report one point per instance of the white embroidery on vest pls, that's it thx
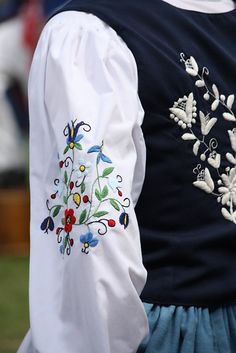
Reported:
(185, 113)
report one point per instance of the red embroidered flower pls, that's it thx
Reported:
(69, 220)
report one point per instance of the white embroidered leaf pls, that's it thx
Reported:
(200, 83)
(225, 179)
(215, 104)
(209, 179)
(229, 117)
(226, 214)
(223, 189)
(196, 147)
(202, 185)
(230, 101)
(179, 113)
(203, 121)
(216, 91)
(230, 158)
(215, 162)
(210, 125)
(188, 137)
(189, 105)
(194, 63)
(232, 137)
(225, 198)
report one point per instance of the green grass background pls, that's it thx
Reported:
(14, 318)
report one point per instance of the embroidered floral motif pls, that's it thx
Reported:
(80, 204)
(185, 113)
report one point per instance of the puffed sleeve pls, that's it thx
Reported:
(87, 162)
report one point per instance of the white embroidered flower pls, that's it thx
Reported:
(228, 191)
(184, 111)
(60, 187)
(214, 159)
(207, 123)
(82, 169)
(232, 136)
(113, 183)
(191, 66)
(205, 181)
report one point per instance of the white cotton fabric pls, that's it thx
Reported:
(205, 6)
(85, 304)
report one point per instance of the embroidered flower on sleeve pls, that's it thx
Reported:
(88, 241)
(47, 224)
(84, 204)
(60, 187)
(72, 135)
(124, 219)
(101, 155)
(82, 168)
(69, 220)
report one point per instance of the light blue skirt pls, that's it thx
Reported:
(178, 329)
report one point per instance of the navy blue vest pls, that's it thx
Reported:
(187, 80)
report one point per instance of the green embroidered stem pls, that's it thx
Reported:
(71, 173)
(212, 94)
(96, 210)
(50, 210)
(98, 177)
(92, 193)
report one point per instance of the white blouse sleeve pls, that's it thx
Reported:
(87, 162)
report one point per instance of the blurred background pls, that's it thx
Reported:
(20, 25)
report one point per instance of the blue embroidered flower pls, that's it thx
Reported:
(88, 241)
(124, 219)
(73, 137)
(101, 155)
(47, 224)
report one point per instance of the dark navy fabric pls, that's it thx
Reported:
(9, 8)
(50, 6)
(189, 248)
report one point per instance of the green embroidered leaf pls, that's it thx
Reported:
(65, 200)
(115, 204)
(98, 195)
(105, 192)
(82, 216)
(63, 221)
(78, 146)
(66, 177)
(82, 187)
(107, 171)
(100, 214)
(56, 211)
(66, 149)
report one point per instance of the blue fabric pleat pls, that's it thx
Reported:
(179, 329)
